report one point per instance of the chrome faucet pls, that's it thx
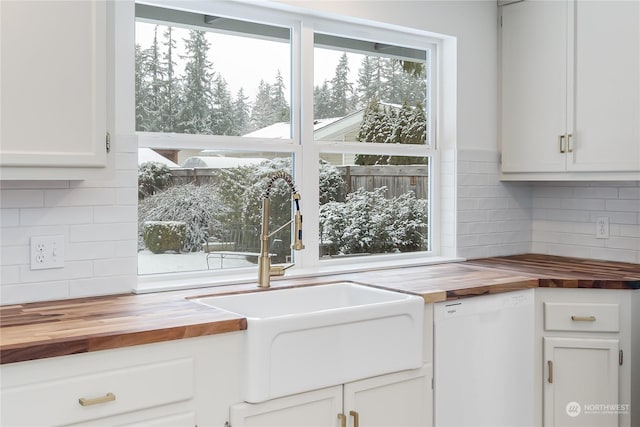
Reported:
(265, 269)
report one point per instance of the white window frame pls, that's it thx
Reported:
(302, 146)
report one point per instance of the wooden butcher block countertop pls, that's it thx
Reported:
(57, 328)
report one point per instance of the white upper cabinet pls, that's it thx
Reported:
(570, 92)
(53, 83)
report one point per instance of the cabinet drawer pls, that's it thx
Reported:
(581, 317)
(104, 394)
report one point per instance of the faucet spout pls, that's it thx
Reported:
(265, 270)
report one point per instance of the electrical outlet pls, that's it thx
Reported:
(602, 227)
(47, 252)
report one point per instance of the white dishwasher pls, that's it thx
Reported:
(484, 361)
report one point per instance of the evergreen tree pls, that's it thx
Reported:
(322, 101)
(261, 114)
(341, 89)
(369, 83)
(221, 108)
(241, 114)
(280, 105)
(141, 89)
(195, 115)
(170, 105)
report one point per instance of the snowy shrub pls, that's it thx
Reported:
(367, 222)
(153, 177)
(332, 185)
(162, 236)
(197, 206)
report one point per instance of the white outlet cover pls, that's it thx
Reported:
(602, 227)
(46, 252)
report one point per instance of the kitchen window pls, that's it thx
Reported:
(227, 94)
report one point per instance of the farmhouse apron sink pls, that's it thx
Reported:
(305, 338)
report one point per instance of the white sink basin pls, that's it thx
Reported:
(305, 338)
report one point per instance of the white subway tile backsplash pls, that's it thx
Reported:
(629, 193)
(9, 274)
(9, 217)
(623, 205)
(564, 219)
(98, 219)
(102, 232)
(113, 266)
(32, 292)
(80, 197)
(21, 198)
(71, 270)
(494, 218)
(56, 216)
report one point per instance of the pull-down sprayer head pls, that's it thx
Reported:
(265, 270)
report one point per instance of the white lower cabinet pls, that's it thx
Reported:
(179, 383)
(589, 341)
(401, 399)
(582, 373)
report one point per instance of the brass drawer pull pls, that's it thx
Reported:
(109, 397)
(343, 420)
(583, 318)
(561, 143)
(356, 420)
(550, 364)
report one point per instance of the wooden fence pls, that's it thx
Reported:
(398, 179)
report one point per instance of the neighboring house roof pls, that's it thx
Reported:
(220, 162)
(340, 129)
(148, 155)
(336, 125)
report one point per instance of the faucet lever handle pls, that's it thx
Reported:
(278, 270)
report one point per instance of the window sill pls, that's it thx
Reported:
(178, 281)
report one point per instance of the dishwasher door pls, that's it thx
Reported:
(484, 361)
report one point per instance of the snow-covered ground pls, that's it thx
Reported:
(150, 263)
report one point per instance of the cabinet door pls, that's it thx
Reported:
(580, 373)
(318, 408)
(53, 83)
(399, 399)
(606, 127)
(534, 90)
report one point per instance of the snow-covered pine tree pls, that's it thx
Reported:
(322, 101)
(195, 115)
(170, 101)
(262, 112)
(221, 108)
(341, 89)
(241, 114)
(281, 110)
(369, 81)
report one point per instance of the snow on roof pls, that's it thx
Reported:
(148, 155)
(282, 130)
(220, 162)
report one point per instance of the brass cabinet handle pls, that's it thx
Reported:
(569, 149)
(343, 420)
(109, 397)
(583, 318)
(561, 143)
(550, 364)
(355, 415)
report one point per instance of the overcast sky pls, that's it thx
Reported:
(244, 61)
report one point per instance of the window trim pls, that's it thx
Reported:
(302, 146)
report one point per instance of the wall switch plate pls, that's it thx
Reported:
(602, 227)
(47, 252)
